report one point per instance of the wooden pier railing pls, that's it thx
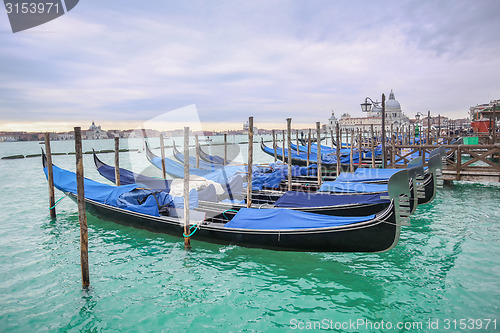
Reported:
(462, 162)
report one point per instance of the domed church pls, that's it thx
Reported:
(393, 113)
(95, 132)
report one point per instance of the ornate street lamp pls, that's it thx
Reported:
(366, 107)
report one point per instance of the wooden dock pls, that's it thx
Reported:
(478, 163)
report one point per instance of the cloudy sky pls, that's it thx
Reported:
(122, 62)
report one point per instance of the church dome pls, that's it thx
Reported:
(391, 104)
(93, 126)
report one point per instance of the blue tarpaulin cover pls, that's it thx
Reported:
(287, 219)
(367, 175)
(354, 187)
(221, 175)
(325, 158)
(266, 180)
(129, 177)
(128, 197)
(292, 199)
(296, 170)
(65, 181)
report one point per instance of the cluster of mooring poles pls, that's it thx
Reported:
(406, 137)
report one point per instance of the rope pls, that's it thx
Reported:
(57, 202)
(191, 234)
(228, 210)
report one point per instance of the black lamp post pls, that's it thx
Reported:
(366, 107)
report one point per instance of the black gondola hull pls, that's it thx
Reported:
(380, 234)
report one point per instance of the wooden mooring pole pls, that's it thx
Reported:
(339, 145)
(289, 137)
(372, 145)
(187, 240)
(196, 142)
(351, 160)
(384, 152)
(225, 148)
(308, 147)
(494, 123)
(297, 141)
(318, 153)
(250, 160)
(117, 161)
(360, 147)
(283, 155)
(50, 177)
(275, 147)
(82, 216)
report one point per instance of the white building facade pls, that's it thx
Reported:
(96, 133)
(393, 116)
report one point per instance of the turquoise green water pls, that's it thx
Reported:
(446, 267)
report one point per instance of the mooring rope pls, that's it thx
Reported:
(191, 234)
(57, 202)
(228, 210)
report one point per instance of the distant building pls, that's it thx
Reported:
(332, 121)
(65, 136)
(484, 110)
(96, 133)
(246, 126)
(393, 116)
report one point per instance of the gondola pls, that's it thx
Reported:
(176, 170)
(192, 160)
(210, 158)
(425, 182)
(327, 161)
(304, 141)
(277, 229)
(319, 203)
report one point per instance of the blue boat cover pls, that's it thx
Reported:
(292, 199)
(266, 180)
(325, 158)
(296, 170)
(287, 219)
(366, 175)
(221, 175)
(128, 197)
(129, 177)
(354, 187)
(65, 181)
